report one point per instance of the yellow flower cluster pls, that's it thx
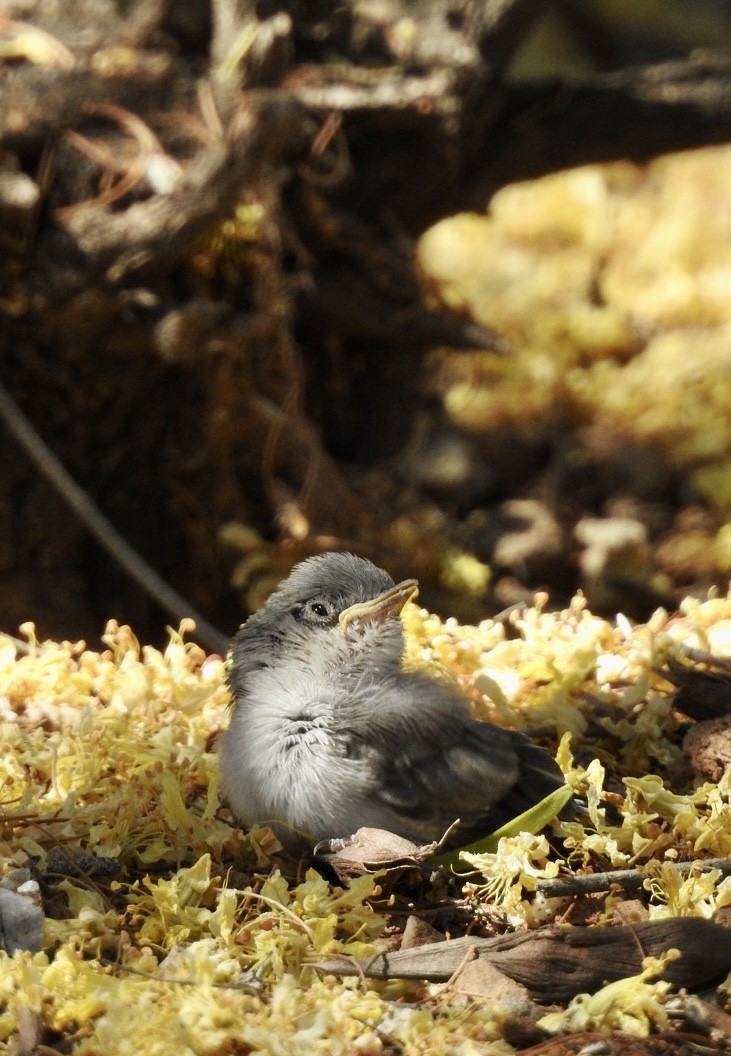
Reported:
(200, 942)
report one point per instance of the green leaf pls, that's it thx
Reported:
(532, 821)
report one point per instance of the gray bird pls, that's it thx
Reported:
(329, 733)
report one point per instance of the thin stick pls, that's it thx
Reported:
(103, 531)
(469, 956)
(629, 879)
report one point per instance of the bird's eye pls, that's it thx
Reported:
(313, 613)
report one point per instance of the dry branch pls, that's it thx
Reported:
(629, 879)
(556, 963)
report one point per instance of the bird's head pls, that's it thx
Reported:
(338, 603)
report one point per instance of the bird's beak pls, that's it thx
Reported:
(390, 603)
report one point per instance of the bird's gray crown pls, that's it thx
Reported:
(336, 574)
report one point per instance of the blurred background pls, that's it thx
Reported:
(446, 285)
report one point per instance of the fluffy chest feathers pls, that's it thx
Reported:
(292, 751)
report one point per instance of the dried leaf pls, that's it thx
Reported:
(371, 850)
(708, 746)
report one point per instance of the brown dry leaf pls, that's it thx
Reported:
(481, 977)
(708, 747)
(418, 932)
(371, 850)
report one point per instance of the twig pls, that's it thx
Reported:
(470, 955)
(378, 92)
(242, 986)
(103, 531)
(629, 879)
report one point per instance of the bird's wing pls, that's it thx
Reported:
(435, 763)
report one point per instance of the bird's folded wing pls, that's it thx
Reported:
(434, 763)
